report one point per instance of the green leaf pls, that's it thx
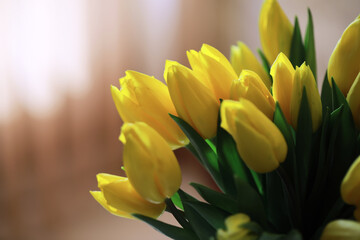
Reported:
(201, 227)
(265, 63)
(318, 183)
(213, 215)
(277, 206)
(303, 143)
(177, 201)
(167, 229)
(326, 95)
(250, 202)
(338, 98)
(220, 200)
(207, 156)
(310, 44)
(297, 50)
(178, 214)
(342, 146)
(290, 162)
(227, 154)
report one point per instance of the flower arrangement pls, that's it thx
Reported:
(285, 158)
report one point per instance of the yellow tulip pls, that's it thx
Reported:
(341, 230)
(146, 99)
(350, 186)
(304, 78)
(353, 99)
(344, 62)
(118, 196)
(283, 73)
(149, 162)
(241, 58)
(234, 231)
(251, 87)
(213, 66)
(252, 130)
(194, 101)
(275, 30)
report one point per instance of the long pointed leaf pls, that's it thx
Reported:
(167, 229)
(310, 44)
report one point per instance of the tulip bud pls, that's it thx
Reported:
(118, 196)
(341, 230)
(344, 62)
(234, 231)
(211, 64)
(303, 77)
(250, 87)
(146, 99)
(350, 186)
(252, 130)
(194, 102)
(149, 162)
(275, 30)
(353, 99)
(282, 73)
(241, 58)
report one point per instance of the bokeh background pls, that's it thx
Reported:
(58, 124)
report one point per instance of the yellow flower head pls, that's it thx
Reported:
(146, 99)
(350, 186)
(149, 162)
(344, 62)
(353, 99)
(194, 101)
(234, 231)
(242, 58)
(212, 67)
(251, 87)
(118, 196)
(341, 230)
(275, 30)
(304, 78)
(283, 73)
(252, 130)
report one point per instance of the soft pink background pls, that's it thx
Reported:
(58, 125)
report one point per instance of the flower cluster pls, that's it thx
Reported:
(284, 157)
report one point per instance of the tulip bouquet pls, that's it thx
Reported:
(284, 158)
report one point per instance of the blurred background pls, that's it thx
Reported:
(58, 124)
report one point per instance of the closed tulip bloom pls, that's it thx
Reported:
(149, 162)
(350, 186)
(146, 99)
(275, 30)
(212, 65)
(341, 230)
(118, 196)
(241, 58)
(283, 73)
(304, 78)
(259, 142)
(234, 231)
(251, 87)
(194, 101)
(344, 62)
(353, 99)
